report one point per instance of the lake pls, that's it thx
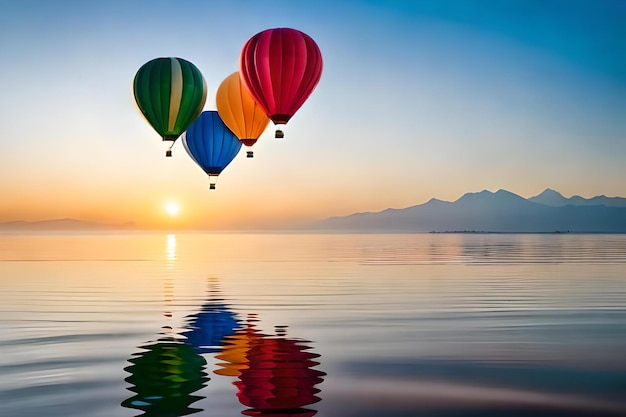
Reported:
(332, 325)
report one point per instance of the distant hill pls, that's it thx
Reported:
(58, 224)
(486, 211)
(553, 198)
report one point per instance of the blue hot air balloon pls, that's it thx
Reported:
(211, 144)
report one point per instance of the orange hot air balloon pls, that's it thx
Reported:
(243, 116)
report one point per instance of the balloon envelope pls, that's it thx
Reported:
(237, 108)
(210, 143)
(170, 93)
(280, 67)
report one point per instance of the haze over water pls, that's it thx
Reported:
(312, 324)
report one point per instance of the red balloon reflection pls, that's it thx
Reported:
(276, 375)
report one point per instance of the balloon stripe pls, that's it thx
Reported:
(260, 71)
(306, 69)
(153, 95)
(176, 93)
(237, 99)
(162, 94)
(314, 69)
(208, 149)
(218, 145)
(213, 146)
(223, 144)
(259, 122)
(233, 118)
(189, 92)
(299, 68)
(141, 88)
(253, 82)
(198, 98)
(275, 71)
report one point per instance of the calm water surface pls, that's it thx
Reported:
(299, 325)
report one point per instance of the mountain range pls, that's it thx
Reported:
(553, 198)
(495, 212)
(57, 224)
(498, 212)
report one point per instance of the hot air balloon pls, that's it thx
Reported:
(243, 116)
(170, 93)
(210, 144)
(281, 68)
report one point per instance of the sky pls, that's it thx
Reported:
(417, 100)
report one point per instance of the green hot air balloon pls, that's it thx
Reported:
(170, 93)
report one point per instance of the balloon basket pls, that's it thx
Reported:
(168, 153)
(211, 186)
(249, 154)
(279, 134)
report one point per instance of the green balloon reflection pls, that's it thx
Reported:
(164, 377)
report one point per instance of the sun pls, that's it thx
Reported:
(172, 209)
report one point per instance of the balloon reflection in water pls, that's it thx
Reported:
(215, 321)
(163, 377)
(236, 347)
(166, 373)
(275, 373)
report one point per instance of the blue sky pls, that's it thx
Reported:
(418, 99)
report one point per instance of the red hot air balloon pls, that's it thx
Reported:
(280, 67)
